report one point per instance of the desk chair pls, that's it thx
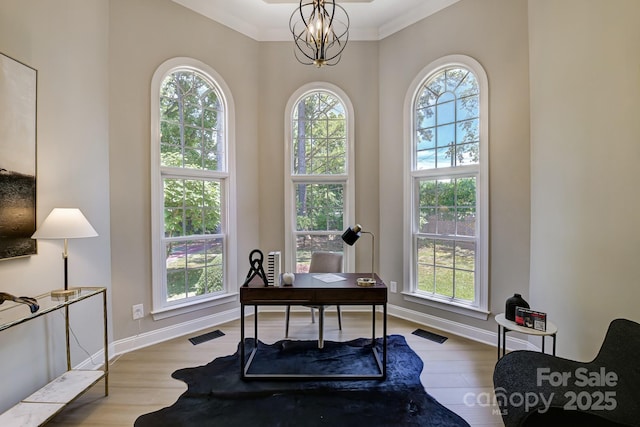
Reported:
(321, 262)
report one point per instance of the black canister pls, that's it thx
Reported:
(510, 308)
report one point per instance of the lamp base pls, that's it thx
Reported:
(365, 282)
(64, 293)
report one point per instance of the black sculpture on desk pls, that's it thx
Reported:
(31, 302)
(256, 257)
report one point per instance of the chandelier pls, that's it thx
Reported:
(320, 31)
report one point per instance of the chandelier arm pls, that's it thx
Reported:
(298, 51)
(339, 52)
(300, 42)
(302, 18)
(333, 12)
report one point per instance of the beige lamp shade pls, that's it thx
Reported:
(65, 223)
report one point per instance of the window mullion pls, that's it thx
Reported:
(338, 179)
(192, 173)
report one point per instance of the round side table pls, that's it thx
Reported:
(505, 326)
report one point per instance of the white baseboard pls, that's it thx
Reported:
(146, 339)
(460, 329)
(156, 336)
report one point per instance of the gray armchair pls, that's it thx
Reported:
(537, 389)
(321, 262)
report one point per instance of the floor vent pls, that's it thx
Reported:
(206, 337)
(429, 335)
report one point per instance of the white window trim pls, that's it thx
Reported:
(291, 179)
(160, 309)
(481, 308)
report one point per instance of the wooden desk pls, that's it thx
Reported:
(308, 290)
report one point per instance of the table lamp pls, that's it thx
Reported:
(64, 223)
(350, 236)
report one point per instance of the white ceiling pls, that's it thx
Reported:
(268, 20)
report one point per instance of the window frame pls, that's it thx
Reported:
(480, 307)
(160, 307)
(291, 179)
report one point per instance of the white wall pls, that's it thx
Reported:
(144, 34)
(67, 43)
(585, 240)
(494, 32)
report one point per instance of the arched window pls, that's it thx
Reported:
(319, 194)
(191, 180)
(448, 185)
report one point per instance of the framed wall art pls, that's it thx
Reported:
(18, 91)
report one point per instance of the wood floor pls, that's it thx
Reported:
(458, 373)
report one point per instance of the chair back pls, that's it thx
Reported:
(325, 262)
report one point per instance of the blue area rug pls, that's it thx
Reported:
(216, 396)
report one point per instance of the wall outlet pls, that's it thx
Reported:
(138, 311)
(394, 286)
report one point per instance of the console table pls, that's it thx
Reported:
(309, 290)
(45, 403)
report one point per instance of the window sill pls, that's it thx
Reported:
(176, 310)
(476, 313)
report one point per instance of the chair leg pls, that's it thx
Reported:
(339, 317)
(313, 316)
(286, 328)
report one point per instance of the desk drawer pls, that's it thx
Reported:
(292, 295)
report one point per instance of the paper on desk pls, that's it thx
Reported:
(328, 277)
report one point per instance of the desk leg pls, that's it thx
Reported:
(321, 326)
(241, 340)
(255, 325)
(499, 340)
(384, 343)
(554, 343)
(373, 323)
(543, 343)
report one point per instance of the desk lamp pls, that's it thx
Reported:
(64, 223)
(350, 236)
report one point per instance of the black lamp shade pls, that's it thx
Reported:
(351, 235)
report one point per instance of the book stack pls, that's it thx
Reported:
(531, 319)
(273, 268)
